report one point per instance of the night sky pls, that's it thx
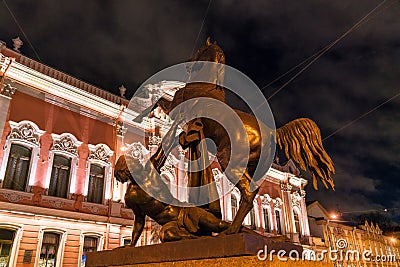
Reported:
(109, 43)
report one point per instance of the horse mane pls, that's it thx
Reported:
(209, 46)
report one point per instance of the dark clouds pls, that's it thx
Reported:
(109, 43)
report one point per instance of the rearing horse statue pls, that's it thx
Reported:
(300, 139)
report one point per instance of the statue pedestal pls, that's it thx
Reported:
(215, 250)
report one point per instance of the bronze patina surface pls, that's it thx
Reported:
(300, 139)
(177, 222)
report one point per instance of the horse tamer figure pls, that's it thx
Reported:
(299, 139)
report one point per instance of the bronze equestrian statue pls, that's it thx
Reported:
(300, 139)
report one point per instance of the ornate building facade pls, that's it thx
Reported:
(60, 138)
(368, 239)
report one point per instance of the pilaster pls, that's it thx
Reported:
(287, 208)
(6, 93)
(306, 227)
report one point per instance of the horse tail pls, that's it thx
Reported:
(301, 141)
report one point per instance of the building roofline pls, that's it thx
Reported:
(61, 76)
(316, 203)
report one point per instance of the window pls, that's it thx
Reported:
(127, 241)
(98, 175)
(59, 179)
(16, 175)
(6, 243)
(296, 222)
(253, 219)
(278, 222)
(21, 154)
(49, 250)
(96, 184)
(234, 206)
(266, 220)
(90, 244)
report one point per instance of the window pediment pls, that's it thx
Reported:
(100, 152)
(65, 142)
(26, 131)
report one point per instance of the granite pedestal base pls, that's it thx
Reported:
(228, 248)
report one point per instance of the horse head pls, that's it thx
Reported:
(209, 52)
(123, 173)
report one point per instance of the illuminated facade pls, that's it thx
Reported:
(334, 234)
(60, 138)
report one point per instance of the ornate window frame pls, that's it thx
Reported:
(100, 154)
(18, 228)
(65, 144)
(123, 238)
(247, 219)
(61, 246)
(278, 207)
(235, 192)
(100, 244)
(265, 205)
(296, 198)
(297, 211)
(135, 150)
(25, 133)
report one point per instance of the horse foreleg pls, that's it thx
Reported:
(246, 203)
(168, 143)
(162, 103)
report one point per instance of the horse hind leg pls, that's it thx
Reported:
(246, 202)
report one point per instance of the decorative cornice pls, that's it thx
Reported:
(100, 152)
(182, 151)
(56, 203)
(25, 131)
(265, 200)
(277, 203)
(286, 187)
(155, 140)
(121, 130)
(13, 197)
(169, 165)
(25, 75)
(295, 199)
(8, 90)
(65, 142)
(136, 150)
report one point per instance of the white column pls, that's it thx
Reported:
(182, 179)
(306, 227)
(119, 188)
(287, 208)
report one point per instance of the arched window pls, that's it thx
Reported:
(96, 183)
(278, 222)
(10, 236)
(49, 249)
(17, 170)
(98, 174)
(234, 205)
(266, 220)
(60, 174)
(6, 243)
(253, 219)
(21, 153)
(63, 162)
(297, 224)
(90, 242)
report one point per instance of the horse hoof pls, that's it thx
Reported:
(227, 232)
